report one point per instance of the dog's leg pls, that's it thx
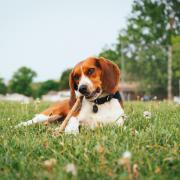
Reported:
(72, 126)
(38, 119)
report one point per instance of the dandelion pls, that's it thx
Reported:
(135, 171)
(71, 168)
(147, 114)
(49, 164)
(126, 163)
(127, 155)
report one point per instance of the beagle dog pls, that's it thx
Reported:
(97, 80)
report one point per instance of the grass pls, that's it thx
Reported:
(154, 144)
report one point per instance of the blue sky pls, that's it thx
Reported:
(52, 35)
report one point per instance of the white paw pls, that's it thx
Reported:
(37, 119)
(72, 126)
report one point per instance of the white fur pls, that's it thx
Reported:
(72, 126)
(37, 119)
(109, 112)
(85, 81)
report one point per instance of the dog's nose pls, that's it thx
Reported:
(83, 89)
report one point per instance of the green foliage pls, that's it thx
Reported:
(149, 33)
(64, 80)
(110, 54)
(154, 144)
(144, 44)
(3, 88)
(21, 81)
(47, 86)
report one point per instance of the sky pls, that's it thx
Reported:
(50, 36)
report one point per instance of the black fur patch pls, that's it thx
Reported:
(75, 87)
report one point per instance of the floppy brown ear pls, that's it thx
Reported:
(72, 86)
(110, 75)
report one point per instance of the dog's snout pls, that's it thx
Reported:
(83, 89)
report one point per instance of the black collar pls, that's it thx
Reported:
(105, 99)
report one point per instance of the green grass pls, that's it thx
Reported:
(154, 147)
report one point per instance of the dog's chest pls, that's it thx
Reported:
(107, 113)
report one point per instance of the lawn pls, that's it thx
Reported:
(153, 143)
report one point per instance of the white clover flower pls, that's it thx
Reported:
(125, 159)
(71, 168)
(127, 155)
(147, 114)
(50, 163)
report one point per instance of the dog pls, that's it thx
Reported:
(97, 80)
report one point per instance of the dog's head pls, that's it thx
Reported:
(93, 76)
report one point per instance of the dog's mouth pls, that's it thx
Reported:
(94, 94)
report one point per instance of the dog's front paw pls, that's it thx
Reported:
(72, 126)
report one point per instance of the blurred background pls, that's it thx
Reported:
(41, 40)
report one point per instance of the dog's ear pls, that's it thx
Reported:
(73, 87)
(110, 75)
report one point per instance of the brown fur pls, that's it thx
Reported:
(62, 108)
(106, 76)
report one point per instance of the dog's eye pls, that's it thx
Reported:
(76, 77)
(90, 71)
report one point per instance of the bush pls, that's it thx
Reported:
(64, 80)
(3, 88)
(45, 87)
(21, 81)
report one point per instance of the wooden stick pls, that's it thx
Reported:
(54, 118)
(75, 108)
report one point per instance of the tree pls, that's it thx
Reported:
(21, 81)
(110, 54)
(176, 63)
(147, 39)
(3, 88)
(47, 86)
(64, 80)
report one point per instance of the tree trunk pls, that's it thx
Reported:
(169, 87)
